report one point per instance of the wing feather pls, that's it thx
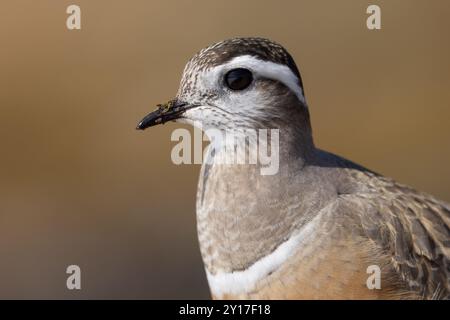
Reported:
(413, 229)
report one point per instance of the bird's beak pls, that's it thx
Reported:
(165, 112)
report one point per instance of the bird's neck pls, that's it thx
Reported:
(286, 138)
(241, 211)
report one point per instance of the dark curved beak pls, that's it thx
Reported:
(165, 112)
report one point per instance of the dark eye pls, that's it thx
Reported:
(238, 79)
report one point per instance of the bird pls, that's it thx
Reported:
(322, 227)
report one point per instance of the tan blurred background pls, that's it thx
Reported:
(78, 185)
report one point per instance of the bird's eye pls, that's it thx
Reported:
(238, 79)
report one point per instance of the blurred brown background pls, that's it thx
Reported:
(78, 185)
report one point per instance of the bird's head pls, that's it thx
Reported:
(237, 83)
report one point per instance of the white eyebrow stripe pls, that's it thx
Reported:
(270, 70)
